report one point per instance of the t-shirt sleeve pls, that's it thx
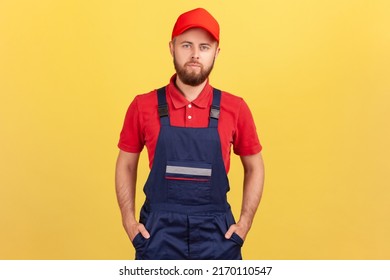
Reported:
(245, 140)
(131, 137)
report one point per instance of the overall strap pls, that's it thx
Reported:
(162, 107)
(215, 108)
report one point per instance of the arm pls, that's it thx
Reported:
(125, 183)
(253, 189)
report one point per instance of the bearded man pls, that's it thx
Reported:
(189, 128)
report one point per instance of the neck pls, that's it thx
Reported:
(190, 92)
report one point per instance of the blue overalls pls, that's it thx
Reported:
(186, 211)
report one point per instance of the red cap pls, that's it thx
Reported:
(196, 18)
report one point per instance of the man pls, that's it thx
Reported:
(188, 128)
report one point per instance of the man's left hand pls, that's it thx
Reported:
(239, 229)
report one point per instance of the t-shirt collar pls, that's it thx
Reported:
(179, 101)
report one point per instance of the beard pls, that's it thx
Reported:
(192, 78)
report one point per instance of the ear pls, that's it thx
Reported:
(217, 52)
(171, 47)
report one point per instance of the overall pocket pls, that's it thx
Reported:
(188, 182)
(227, 249)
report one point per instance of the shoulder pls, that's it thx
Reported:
(229, 98)
(145, 103)
(231, 103)
(235, 107)
(146, 99)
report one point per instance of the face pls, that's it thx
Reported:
(194, 53)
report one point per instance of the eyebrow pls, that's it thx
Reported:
(186, 42)
(201, 44)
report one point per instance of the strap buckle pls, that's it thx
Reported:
(214, 112)
(163, 110)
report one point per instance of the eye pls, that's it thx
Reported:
(204, 47)
(186, 46)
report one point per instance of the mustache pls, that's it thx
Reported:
(194, 62)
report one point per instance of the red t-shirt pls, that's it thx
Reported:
(235, 125)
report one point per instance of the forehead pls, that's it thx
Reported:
(197, 35)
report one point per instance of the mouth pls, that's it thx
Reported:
(194, 64)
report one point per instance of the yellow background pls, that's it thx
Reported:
(315, 74)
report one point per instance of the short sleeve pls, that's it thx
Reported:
(131, 137)
(245, 140)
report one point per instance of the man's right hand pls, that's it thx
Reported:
(136, 228)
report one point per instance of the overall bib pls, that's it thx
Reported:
(186, 210)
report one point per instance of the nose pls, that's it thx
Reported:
(195, 53)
